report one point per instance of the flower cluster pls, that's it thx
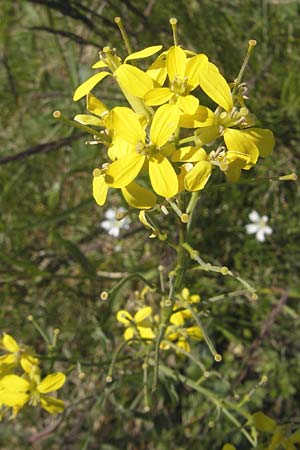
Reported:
(166, 141)
(143, 324)
(21, 383)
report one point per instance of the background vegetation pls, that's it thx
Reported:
(55, 258)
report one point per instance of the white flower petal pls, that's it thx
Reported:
(110, 214)
(268, 230)
(264, 219)
(106, 224)
(252, 228)
(254, 216)
(114, 231)
(260, 235)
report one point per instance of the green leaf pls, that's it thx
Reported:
(263, 422)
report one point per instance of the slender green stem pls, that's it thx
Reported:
(58, 116)
(190, 356)
(176, 280)
(173, 23)
(124, 34)
(207, 339)
(114, 359)
(38, 328)
(112, 293)
(187, 140)
(145, 383)
(251, 45)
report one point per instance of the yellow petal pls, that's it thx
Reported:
(189, 154)
(242, 141)
(10, 344)
(203, 117)
(29, 363)
(144, 220)
(188, 104)
(177, 319)
(158, 96)
(193, 67)
(184, 345)
(123, 171)
(158, 70)
(8, 360)
(163, 176)
(215, 85)
(94, 105)
(88, 119)
(205, 135)
(165, 122)
(195, 333)
(100, 188)
(197, 178)
(138, 197)
(133, 80)
(51, 382)
(149, 51)
(99, 65)
(233, 173)
(129, 333)
(263, 140)
(88, 85)
(14, 383)
(181, 176)
(142, 314)
(176, 63)
(13, 399)
(52, 405)
(124, 317)
(146, 333)
(126, 125)
(119, 148)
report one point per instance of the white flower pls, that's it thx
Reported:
(259, 226)
(112, 225)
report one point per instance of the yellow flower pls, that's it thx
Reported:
(183, 74)
(145, 152)
(244, 144)
(130, 79)
(16, 391)
(15, 354)
(139, 325)
(187, 297)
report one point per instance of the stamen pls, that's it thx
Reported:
(251, 44)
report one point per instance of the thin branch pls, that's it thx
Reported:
(67, 34)
(41, 148)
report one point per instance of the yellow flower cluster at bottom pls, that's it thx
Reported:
(18, 389)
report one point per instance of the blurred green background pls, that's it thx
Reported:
(55, 258)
